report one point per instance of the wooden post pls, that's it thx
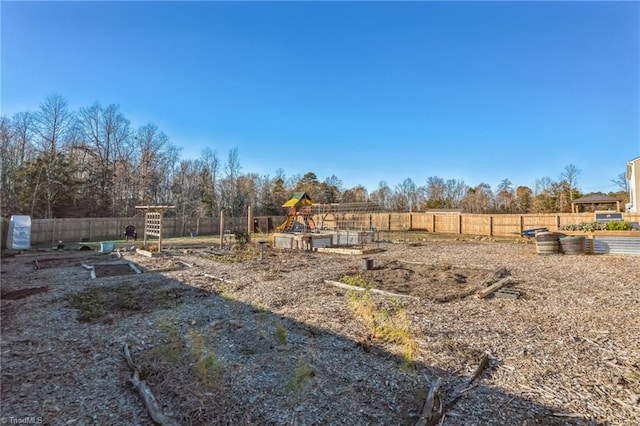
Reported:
(249, 224)
(144, 240)
(160, 232)
(433, 223)
(558, 221)
(459, 223)
(521, 224)
(491, 226)
(221, 229)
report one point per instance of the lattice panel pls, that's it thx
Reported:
(154, 223)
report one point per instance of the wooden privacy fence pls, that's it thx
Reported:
(100, 229)
(463, 223)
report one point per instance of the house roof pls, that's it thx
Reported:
(298, 199)
(596, 198)
(443, 210)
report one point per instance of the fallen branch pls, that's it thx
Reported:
(493, 288)
(218, 278)
(188, 265)
(435, 416)
(372, 290)
(483, 364)
(496, 274)
(431, 402)
(150, 402)
(168, 269)
(626, 404)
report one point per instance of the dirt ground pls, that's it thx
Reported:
(225, 337)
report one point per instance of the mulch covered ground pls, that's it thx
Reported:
(229, 338)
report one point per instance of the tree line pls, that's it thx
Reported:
(58, 162)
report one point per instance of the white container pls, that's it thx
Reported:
(107, 246)
(19, 235)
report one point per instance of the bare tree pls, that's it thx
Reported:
(435, 192)
(570, 176)
(382, 196)
(211, 164)
(331, 190)
(454, 193)
(169, 164)
(52, 122)
(7, 169)
(22, 133)
(478, 199)
(185, 191)
(407, 196)
(357, 194)
(104, 134)
(231, 201)
(150, 144)
(621, 182)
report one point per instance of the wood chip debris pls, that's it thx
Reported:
(289, 349)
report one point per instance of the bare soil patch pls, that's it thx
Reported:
(21, 293)
(112, 270)
(226, 337)
(436, 282)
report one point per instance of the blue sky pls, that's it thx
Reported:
(366, 91)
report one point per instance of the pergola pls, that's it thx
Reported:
(593, 200)
(153, 222)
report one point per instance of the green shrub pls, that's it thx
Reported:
(356, 281)
(281, 334)
(619, 226)
(296, 383)
(599, 226)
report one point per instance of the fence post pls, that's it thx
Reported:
(459, 223)
(221, 228)
(249, 224)
(491, 226)
(433, 223)
(521, 224)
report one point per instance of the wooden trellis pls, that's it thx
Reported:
(153, 222)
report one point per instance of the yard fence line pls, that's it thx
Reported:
(100, 229)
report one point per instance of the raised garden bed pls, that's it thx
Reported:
(609, 242)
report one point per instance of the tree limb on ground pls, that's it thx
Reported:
(218, 278)
(150, 402)
(493, 288)
(432, 402)
(372, 290)
(433, 409)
